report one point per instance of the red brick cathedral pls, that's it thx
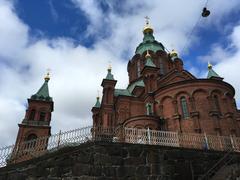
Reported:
(162, 95)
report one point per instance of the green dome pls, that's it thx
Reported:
(149, 43)
(43, 93)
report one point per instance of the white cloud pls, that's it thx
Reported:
(217, 54)
(77, 71)
(13, 33)
(227, 66)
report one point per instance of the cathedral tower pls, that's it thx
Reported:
(36, 122)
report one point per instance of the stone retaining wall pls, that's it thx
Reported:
(115, 161)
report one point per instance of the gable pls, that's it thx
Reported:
(175, 76)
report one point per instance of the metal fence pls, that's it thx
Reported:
(30, 149)
(34, 148)
(185, 140)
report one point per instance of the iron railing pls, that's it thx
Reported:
(30, 149)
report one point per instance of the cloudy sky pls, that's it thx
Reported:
(77, 39)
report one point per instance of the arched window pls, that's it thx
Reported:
(31, 137)
(106, 93)
(30, 141)
(42, 116)
(149, 107)
(216, 103)
(138, 69)
(184, 107)
(161, 66)
(32, 114)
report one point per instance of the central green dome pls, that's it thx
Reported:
(149, 42)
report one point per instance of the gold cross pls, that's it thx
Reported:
(98, 94)
(48, 70)
(147, 19)
(109, 65)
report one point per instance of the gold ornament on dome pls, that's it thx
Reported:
(147, 28)
(47, 76)
(173, 53)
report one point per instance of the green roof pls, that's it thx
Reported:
(149, 43)
(123, 92)
(43, 93)
(109, 75)
(97, 104)
(212, 73)
(139, 83)
(149, 62)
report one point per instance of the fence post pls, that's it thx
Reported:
(178, 139)
(232, 143)
(206, 142)
(221, 143)
(149, 136)
(59, 138)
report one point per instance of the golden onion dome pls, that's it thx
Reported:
(209, 65)
(147, 28)
(47, 77)
(173, 53)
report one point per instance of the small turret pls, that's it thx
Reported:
(109, 74)
(177, 61)
(212, 74)
(43, 92)
(97, 104)
(149, 62)
(108, 85)
(95, 112)
(150, 73)
(173, 54)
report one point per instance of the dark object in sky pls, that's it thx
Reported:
(205, 12)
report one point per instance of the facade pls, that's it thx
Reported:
(36, 122)
(162, 95)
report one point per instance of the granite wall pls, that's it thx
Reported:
(117, 161)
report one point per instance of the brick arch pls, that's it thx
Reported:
(161, 53)
(32, 113)
(165, 97)
(167, 107)
(217, 100)
(198, 90)
(201, 102)
(108, 94)
(43, 109)
(168, 110)
(182, 92)
(152, 127)
(138, 126)
(228, 101)
(151, 76)
(32, 136)
(29, 133)
(215, 91)
(227, 94)
(136, 56)
(33, 107)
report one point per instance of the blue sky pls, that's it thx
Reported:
(63, 19)
(76, 39)
(54, 19)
